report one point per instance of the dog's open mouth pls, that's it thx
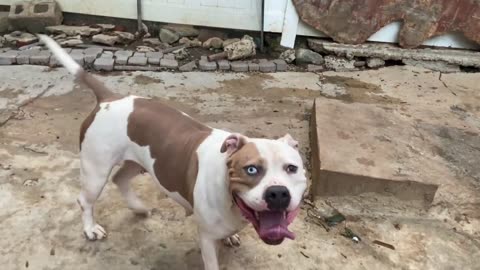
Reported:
(271, 226)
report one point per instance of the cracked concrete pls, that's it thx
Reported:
(40, 221)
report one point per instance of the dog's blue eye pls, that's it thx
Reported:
(251, 170)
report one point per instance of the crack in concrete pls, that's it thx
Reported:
(445, 84)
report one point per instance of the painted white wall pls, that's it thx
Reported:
(280, 17)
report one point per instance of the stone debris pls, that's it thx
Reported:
(306, 56)
(144, 49)
(375, 62)
(152, 41)
(315, 68)
(105, 39)
(73, 30)
(124, 37)
(288, 56)
(72, 42)
(213, 42)
(34, 16)
(190, 43)
(181, 54)
(18, 38)
(168, 36)
(241, 49)
(105, 26)
(439, 66)
(392, 52)
(182, 30)
(339, 63)
(170, 56)
(188, 66)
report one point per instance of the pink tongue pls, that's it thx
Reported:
(273, 226)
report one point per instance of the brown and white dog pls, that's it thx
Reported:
(224, 179)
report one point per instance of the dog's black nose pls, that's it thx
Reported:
(277, 198)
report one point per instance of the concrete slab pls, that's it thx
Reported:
(367, 138)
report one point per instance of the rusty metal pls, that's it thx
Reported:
(354, 21)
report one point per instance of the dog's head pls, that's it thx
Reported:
(267, 182)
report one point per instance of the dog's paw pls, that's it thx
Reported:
(232, 241)
(95, 232)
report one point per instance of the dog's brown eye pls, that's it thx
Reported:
(292, 169)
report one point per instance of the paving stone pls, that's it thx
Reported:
(281, 64)
(188, 66)
(79, 58)
(107, 54)
(137, 61)
(103, 64)
(204, 58)
(8, 57)
(77, 52)
(23, 57)
(91, 54)
(136, 68)
(239, 66)
(169, 63)
(121, 59)
(253, 66)
(267, 66)
(93, 50)
(207, 66)
(43, 58)
(139, 54)
(223, 65)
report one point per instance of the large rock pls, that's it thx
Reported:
(213, 42)
(190, 43)
(168, 36)
(229, 41)
(73, 30)
(339, 63)
(306, 56)
(105, 39)
(288, 56)
(241, 49)
(19, 39)
(125, 37)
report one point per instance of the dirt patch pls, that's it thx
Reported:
(143, 80)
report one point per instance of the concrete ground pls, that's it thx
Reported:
(40, 114)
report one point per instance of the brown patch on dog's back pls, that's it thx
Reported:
(173, 139)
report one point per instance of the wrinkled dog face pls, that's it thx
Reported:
(267, 180)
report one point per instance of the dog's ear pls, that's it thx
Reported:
(233, 143)
(288, 139)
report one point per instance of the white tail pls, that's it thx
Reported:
(61, 55)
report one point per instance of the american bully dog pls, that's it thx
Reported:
(226, 180)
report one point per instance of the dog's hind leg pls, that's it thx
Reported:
(94, 175)
(122, 179)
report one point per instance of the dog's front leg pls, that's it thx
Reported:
(209, 249)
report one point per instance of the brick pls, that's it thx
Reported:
(154, 57)
(207, 66)
(136, 68)
(23, 57)
(267, 66)
(103, 64)
(137, 61)
(121, 59)
(253, 66)
(188, 66)
(34, 16)
(281, 64)
(8, 57)
(223, 65)
(315, 68)
(106, 55)
(239, 66)
(43, 58)
(91, 54)
(169, 63)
